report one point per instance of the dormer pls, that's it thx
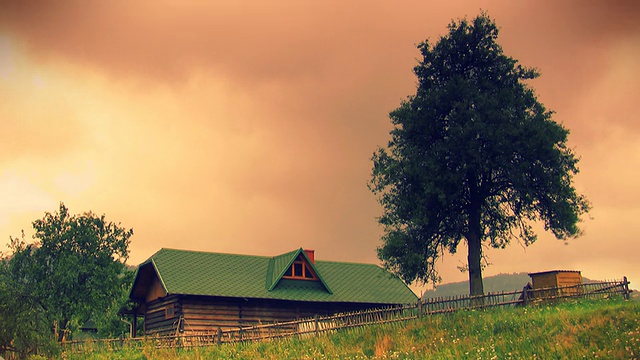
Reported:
(300, 270)
(298, 265)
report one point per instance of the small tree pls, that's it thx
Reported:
(108, 322)
(23, 329)
(74, 269)
(473, 156)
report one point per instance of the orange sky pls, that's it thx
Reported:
(248, 126)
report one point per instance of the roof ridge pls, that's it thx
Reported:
(346, 262)
(213, 252)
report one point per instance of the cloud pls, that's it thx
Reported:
(21, 197)
(248, 127)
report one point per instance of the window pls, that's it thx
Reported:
(169, 312)
(300, 269)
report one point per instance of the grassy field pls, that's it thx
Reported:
(607, 329)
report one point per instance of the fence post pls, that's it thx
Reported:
(626, 288)
(525, 295)
(219, 336)
(419, 308)
(316, 323)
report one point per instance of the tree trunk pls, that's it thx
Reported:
(475, 271)
(63, 331)
(474, 242)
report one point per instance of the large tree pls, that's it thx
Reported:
(474, 157)
(74, 270)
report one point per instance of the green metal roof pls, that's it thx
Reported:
(230, 275)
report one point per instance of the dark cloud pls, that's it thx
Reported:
(282, 40)
(318, 50)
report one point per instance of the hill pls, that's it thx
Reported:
(496, 283)
(574, 330)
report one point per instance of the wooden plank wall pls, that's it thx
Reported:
(544, 280)
(155, 290)
(567, 283)
(569, 278)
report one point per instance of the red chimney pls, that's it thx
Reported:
(311, 255)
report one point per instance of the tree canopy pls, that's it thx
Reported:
(73, 271)
(474, 157)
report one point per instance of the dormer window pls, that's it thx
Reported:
(300, 270)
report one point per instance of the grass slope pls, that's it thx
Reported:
(587, 329)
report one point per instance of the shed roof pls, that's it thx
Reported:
(554, 271)
(247, 276)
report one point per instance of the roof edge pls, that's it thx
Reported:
(313, 267)
(284, 269)
(152, 263)
(554, 271)
(164, 286)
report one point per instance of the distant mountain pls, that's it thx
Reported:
(496, 283)
(131, 267)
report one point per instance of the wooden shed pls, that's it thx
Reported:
(556, 279)
(193, 292)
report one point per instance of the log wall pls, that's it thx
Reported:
(203, 315)
(162, 316)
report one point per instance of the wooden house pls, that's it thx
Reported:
(564, 279)
(180, 291)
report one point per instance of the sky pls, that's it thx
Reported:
(248, 126)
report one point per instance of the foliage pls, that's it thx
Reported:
(473, 157)
(72, 271)
(586, 329)
(109, 321)
(23, 327)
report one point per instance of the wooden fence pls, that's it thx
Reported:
(317, 325)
